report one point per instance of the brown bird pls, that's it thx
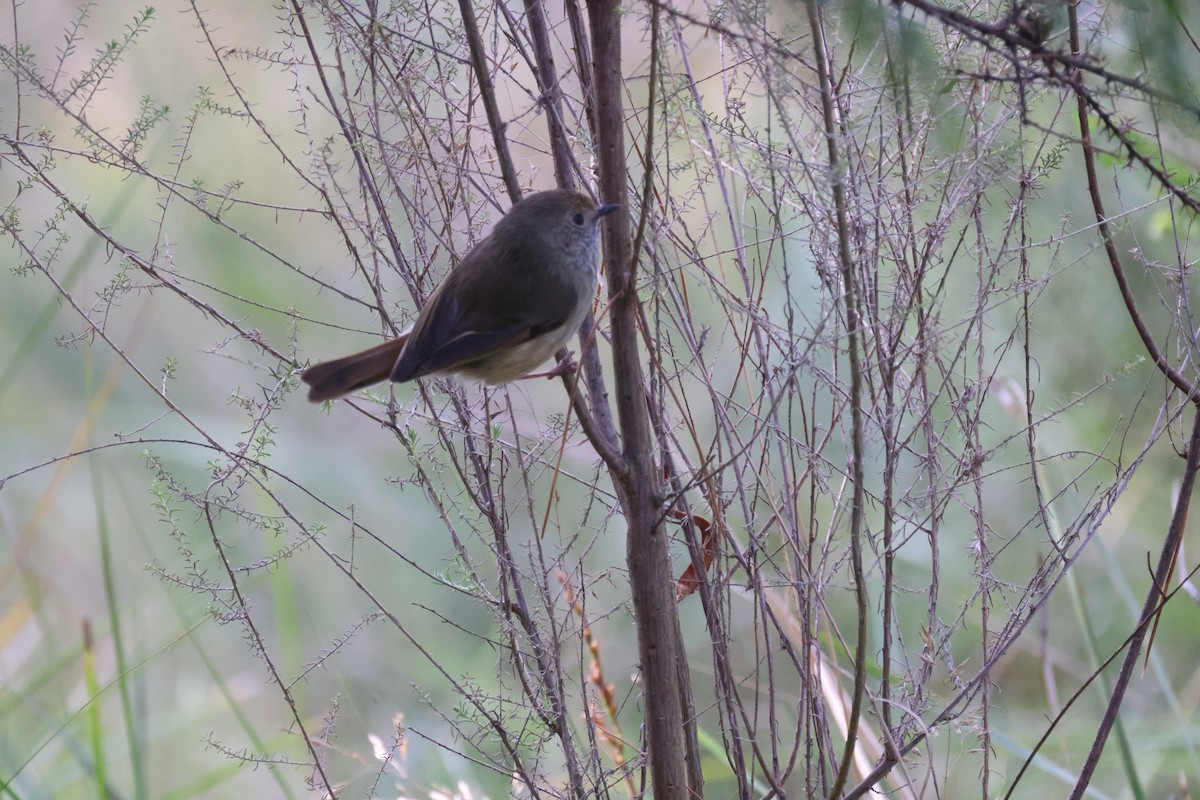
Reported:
(509, 305)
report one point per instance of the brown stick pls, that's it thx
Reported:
(650, 578)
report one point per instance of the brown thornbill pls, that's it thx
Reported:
(508, 306)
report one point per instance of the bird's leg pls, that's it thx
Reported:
(563, 366)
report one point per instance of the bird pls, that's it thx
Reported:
(507, 307)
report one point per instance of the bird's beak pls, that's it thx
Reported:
(606, 209)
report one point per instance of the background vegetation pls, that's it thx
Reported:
(914, 292)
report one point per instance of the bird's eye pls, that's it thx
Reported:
(578, 218)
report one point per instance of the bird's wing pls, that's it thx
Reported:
(508, 308)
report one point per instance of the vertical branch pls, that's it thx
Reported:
(487, 93)
(651, 582)
(591, 409)
(850, 309)
(695, 773)
(551, 99)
